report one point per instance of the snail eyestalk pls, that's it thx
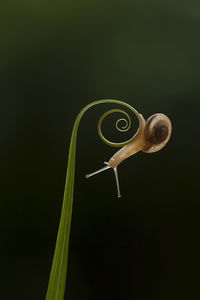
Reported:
(98, 171)
(106, 168)
(117, 182)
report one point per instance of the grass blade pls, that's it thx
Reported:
(57, 280)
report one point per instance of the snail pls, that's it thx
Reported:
(151, 136)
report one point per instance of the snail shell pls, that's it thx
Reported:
(157, 132)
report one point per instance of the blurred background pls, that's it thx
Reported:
(56, 57)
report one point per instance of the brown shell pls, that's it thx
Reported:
(157, 132)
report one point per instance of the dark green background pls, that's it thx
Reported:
(56, 57)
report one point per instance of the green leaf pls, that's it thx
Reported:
(57, 280)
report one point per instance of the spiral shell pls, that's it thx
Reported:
(157, 132)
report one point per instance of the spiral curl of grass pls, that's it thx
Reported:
(57, 280)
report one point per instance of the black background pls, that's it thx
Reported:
(56, 57)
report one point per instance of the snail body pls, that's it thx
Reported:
(131, 148)
(152, 136)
